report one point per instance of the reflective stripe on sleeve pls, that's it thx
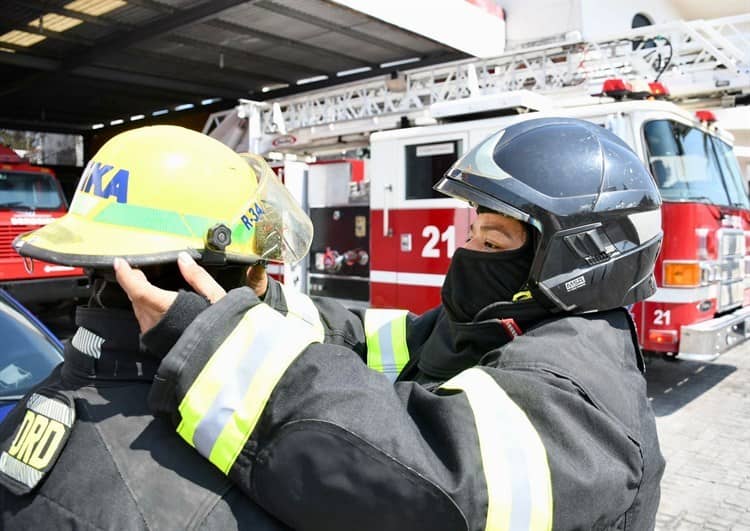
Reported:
(302, 306)
(514, 461)
(223, 405)
(387, 351)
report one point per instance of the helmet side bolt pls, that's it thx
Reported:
(218, 238)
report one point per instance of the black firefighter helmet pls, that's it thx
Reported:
(591, 199)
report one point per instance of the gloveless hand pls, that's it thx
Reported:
(150, 302)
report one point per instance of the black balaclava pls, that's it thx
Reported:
(477, 279)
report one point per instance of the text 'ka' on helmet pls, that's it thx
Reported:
(152, 192)
(589, 196)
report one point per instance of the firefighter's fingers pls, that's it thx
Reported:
(149, 302)
(257, 279)
(199, 279)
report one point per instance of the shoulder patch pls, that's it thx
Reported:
(37, 442)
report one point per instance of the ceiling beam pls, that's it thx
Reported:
(240, 78)
(43, 125)
(283, 41)
(327, 24)
(240, 55)
(161, 26)
(196, 90)
(154, 6)
(48, 66)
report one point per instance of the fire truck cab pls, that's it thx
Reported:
(30, 196)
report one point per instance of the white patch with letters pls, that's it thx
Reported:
(574, 284)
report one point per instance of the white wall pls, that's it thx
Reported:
(457, 23)
(602, 18)
(530, 20)
(692, 9)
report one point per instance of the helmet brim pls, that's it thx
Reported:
(76, 241)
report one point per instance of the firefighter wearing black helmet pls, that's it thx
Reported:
(518, 404)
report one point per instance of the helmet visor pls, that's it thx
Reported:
(283, 232)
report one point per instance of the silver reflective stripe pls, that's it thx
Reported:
(514, 460)
(302, 306)
(233, 392)
(52, 409)
(387, 355)
(226, 400)
(387, 351)
(88, 342)
(19, 471)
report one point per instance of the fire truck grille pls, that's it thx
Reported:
(732, 260)
(7, 234)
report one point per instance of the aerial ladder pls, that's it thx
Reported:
(703, 62)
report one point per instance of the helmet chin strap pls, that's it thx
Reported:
(100, 284)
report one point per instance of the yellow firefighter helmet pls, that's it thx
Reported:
(152, 192)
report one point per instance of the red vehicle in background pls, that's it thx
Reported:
(30, 196)
(701, 307)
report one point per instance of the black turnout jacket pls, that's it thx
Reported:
(525, 420)
(101, 460)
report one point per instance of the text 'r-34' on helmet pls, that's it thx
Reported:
(152, 192)
(589, 196)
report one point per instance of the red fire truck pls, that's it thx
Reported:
(30, 196)
(417, 123)
(701, 271)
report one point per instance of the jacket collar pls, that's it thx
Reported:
(106, 346)
(453, 347)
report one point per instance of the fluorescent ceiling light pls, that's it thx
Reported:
(209, 101)
(160, 112)
(116, 122)
(269, 88)
(400, 62)
(353, 71)
(184, 107)
(313, 79)
(7, 50)
(95, 7)
(97, 126)
(55, 22)
(21, 38)
(137, 117)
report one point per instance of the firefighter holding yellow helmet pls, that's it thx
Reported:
(82, 449)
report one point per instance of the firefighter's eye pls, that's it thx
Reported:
(490, 245)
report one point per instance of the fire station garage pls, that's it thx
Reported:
(360, 108)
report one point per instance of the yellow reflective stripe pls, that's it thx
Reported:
(303, 307)
(223, 405)
(387, 351)
(514, 461)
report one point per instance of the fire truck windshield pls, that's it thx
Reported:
(689, 164)
(29, 191)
